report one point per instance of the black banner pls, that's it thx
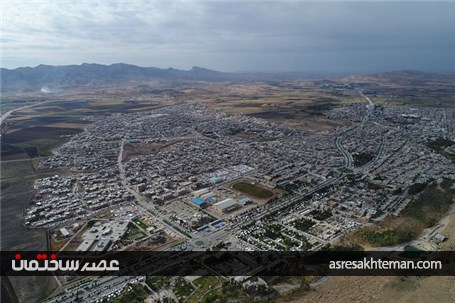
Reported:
(229, 263)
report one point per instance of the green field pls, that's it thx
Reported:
(440, 144)
(362, 159)
(182, 288)
(253, 190)
(422, 212)
(432, 204)
(133, 233)
(140, 223)
(204, 284)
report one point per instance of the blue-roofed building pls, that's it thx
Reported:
(199, 202)
(211, 200)
(245, 201)
(217, 179)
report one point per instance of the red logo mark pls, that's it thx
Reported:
(41, 256)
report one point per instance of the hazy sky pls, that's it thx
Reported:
(232, 36)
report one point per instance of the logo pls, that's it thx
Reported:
(46, 262)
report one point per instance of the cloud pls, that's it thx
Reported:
(254, 35)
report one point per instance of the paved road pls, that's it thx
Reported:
(329, 182)
(8, 113)
(96, 289)
(370, 108)
(348, 160)
(283, 206)
(141, 199)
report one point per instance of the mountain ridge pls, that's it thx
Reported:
(94, 74)
(86, 74)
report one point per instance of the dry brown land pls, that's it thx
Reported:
(300, 103)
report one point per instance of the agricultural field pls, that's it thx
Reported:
(295, 103)
(34, 141)
(35, 131)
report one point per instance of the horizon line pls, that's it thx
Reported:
(312, 72)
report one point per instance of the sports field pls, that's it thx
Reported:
(252, 190)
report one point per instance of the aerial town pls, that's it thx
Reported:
(190, 177)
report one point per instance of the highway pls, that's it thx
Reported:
(379, 153)
(95, 290)
(348, 160)
(292, 201)
(8, 113)
(370, 108)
